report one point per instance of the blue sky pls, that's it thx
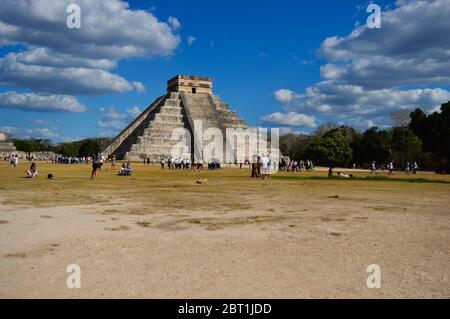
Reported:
(271, 61)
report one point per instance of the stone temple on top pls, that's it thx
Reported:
(189, 99)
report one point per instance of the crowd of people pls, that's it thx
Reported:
(13, 160)
(261, 166)
(185, 164)
(407, 167)
(125, 170)
(296, 166)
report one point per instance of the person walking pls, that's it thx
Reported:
(373, 168)
(113, 163)
(415, 168)
(96, 166)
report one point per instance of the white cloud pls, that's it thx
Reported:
(9, 130)
(133, 112)
(140, 88)
(290, 130)
(110, 29)
(74, 61)
(191, 40)
(411, 48)
(40, 103)
(290, 119)
(285, 96)
(46, 133)
(374, 72)
(67, 80)
(330, 98)
(112, 121)
(41, 122)
(46, 57)
(174, 23)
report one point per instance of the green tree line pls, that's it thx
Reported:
(86, 147)
(424, 138)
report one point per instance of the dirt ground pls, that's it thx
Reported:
(159, 234)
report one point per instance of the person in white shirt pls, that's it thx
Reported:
(264, 166)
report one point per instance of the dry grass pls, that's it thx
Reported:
(163, 191)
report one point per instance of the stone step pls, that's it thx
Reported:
(169, 118)
(174, 95)
(152, 149)
(172, 102)
(164, 125)
(171, 110)
(154, 140)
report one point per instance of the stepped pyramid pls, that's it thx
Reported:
(6, 148)
(189, 99)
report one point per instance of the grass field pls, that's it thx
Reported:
(160, 234)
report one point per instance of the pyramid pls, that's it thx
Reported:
(6, 148)
(189, 100)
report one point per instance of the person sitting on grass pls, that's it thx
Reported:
(125, 170)
(340, 175)
(32, 172)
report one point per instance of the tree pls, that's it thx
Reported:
(434, 131)
(295, 146)
(69, 149)
(325, 128)
(87, 147)
(373, 145)
(405, 145)
(401, 118)
(330, 149)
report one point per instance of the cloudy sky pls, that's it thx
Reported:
(288, 64)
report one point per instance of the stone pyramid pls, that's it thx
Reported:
(189, 99)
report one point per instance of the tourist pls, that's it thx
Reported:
(113, 163)
(188, 163)
(373, 168)
(391, 167)
(96, 166)
(14, 160)
(254, 170)
(340, 175)
(415, 168)
(126, 170)
(407, 168)
(162, 163)
(32, 172)
(11, 161)
(330, 171)
(258, 166)
(265, 164)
